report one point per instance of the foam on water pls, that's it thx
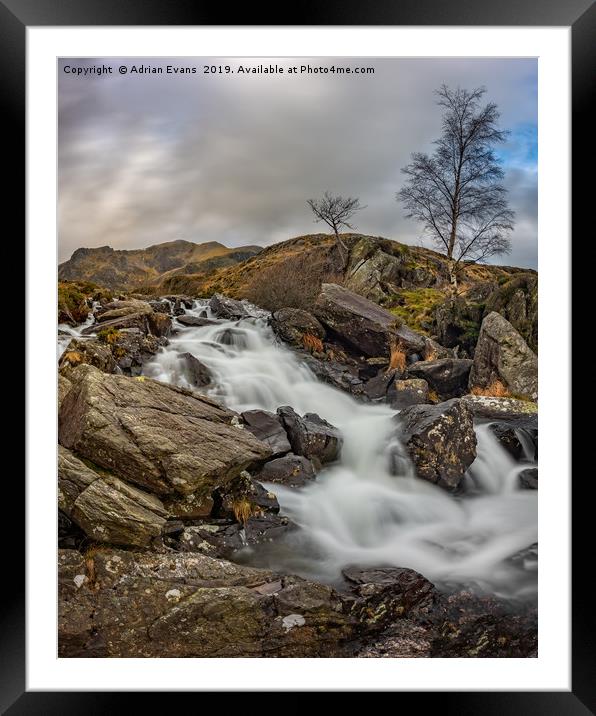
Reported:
(357, 512)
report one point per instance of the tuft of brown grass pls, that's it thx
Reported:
(397, 358)
(496, 389)
(109, 335)
(312, 343)
(72, 357)
(243, 509)
(429, 353)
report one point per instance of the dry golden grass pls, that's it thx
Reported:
(496, 389)
(312, 343)
(397, 358)
(72, 357)
(243, 509)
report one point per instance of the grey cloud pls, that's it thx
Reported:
(153, 158)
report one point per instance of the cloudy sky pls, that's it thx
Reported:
(147, 158)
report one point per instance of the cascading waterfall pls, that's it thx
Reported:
(357, 512)
(66, 333)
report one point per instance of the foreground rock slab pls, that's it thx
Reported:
(440, 440)
(124, 604)
(165, 439)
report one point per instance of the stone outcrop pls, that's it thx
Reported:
(440, 440)
(448, 377)
(363, 325)
(165, 439)
(503, 356)
(311, 436)
(126, 604)
(292, 324)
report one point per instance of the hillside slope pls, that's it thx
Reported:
(411, 281)
(127, 270)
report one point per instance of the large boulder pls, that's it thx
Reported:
(502, 356)
(362, 324)
(448, 377)
(311, 436)
(111, 511)
(156, 436)
(290, 470)
(517, 301)
(440, 440)
(125, 604)
(292, 324)
(195, 321)
(518, 437)
(268, 428)
(224, 307)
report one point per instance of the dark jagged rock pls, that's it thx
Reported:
(132, 349)
(195, 321)
(292, 324)
(197, 373)
(528, 478)
(340, 375)
(503, 356)
(290, 470)
(519, 437)
(403, 393)
(378, 387)
(311, 436)
(448, 377)
(385, 594)
(159, 437)
(440, 440)
(159, 324)
(242, 498)
(230, 308)
(483, 627)
(517, 301)
(268, 428)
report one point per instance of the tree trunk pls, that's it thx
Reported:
(343, 250)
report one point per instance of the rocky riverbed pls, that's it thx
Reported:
(323, 483)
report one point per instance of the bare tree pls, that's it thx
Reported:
(336, 212)
(455, 192)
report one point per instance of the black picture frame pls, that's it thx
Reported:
(580, 15)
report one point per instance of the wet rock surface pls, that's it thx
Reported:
(311, 436)
(290, 470)
(440, 440)
(448, 377)
(292, 324)
(268, 428)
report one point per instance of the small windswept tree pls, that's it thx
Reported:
(456, 192)
(336, 212)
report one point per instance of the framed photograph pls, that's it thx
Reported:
(310, 284)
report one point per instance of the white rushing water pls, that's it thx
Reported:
(357, 512)
(66, 333)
